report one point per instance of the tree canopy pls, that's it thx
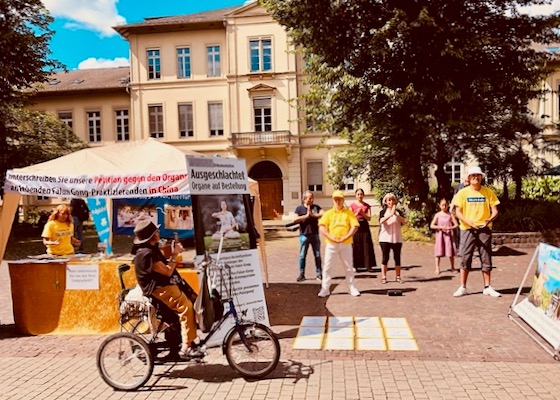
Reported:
(24, 61)
(412, 83)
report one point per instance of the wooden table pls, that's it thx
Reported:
(43, 304)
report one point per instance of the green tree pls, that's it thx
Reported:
(410, 83)
(35, 137)
(24, 38)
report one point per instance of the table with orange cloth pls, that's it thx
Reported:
(42, 304)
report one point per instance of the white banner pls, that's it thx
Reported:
(114, 186)
(217, 175)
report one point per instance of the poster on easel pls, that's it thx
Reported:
(540, 309)
(224, 229)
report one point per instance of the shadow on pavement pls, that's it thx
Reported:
(505, 251)
(524, 290)
(288, 303)
(10, 331)
(385, 292)
(224, 373)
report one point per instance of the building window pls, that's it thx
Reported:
(260, 51)
(213, 60)
(347, 184)
(453, 169)
(94, 126)
(186, 126)
(263, 114)
(216, 119)
(315, 176)
(183, 62)
(121, 119)
(66, 117)
(154, 64)
(155, 114)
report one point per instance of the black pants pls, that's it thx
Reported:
(386, 248)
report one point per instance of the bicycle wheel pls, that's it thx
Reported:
(254, 355)
(124, 361)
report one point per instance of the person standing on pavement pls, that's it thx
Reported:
(444, 223)
(476, 208)
(338, 225)
(390, 235)
(308, 215)
(80, 214)
(364, 256)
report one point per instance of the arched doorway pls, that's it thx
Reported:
(269, 177)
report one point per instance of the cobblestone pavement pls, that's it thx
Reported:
(468, 347)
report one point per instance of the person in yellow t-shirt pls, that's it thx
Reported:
(476, 208)
(58, 233)
(338, 225)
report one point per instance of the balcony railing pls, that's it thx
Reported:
(261, 138)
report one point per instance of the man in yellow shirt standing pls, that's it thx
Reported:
(338, 226)
(476, 208)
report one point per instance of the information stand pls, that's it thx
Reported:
(540, 309)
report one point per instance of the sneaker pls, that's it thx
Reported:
(319, 278)
(353, 291)
(489, 291)
(460, 292)
(324, 293)
(191, 352)
(300, 278)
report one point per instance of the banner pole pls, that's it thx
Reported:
(533, 258)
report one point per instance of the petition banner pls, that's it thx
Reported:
(115, 186)
(541, 308)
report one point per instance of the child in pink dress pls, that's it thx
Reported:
(444, 223)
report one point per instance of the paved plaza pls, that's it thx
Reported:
(468, 347)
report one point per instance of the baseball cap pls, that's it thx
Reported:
(337, 194)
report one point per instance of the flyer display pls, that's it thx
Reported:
(540, 309)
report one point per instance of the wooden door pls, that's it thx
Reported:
(270, 191)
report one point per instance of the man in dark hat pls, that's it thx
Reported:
(158, 278)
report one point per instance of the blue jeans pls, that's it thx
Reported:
(304, 242)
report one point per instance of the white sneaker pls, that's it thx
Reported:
(460, 292)
(324, 293)
(353, 291)
(489, 291)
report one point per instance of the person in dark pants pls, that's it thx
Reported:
(80, 214)
(362, 246)
(308, 215)
(476, 208)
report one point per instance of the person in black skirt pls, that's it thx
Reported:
(364, 257)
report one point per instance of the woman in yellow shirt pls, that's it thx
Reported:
(58, 233)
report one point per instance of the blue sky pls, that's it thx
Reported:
(84, 37)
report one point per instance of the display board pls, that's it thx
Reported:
(540, 309)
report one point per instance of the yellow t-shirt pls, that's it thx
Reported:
(475, 205)
(339, 223)
(61, 231)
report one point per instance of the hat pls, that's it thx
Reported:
(475, 171)
(144, 231)
(337, 194)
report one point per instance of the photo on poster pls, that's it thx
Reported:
(178, 217)
(129, 215)
(545, 290)
(218, 215)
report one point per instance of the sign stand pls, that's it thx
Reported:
(540, 309)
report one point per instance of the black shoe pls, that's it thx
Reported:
(300, 278)
(319, 278)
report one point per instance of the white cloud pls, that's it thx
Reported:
(93, 63)
(95, 15)
(545, 9)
